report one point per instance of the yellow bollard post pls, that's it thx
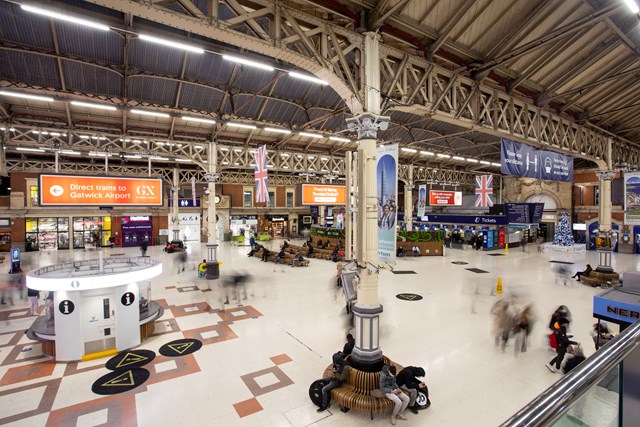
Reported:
(506, 248)
(499, 286)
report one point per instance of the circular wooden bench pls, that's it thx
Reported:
(356, 394)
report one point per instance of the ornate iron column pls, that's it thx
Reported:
(174, 198)
(408, 201)
(367, 354)
(606, 239)
(213, 268)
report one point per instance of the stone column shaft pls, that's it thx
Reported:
(174, 211)
(212, 237)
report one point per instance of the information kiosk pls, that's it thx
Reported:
(94, 308)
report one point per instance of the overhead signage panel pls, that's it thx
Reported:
(445, 198)
(324, 194)
(521, 160)
(77, 190)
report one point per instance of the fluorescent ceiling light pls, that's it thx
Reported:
(310, 135)
(308, 78)
(99, 154)
(472, 160)
(458, 158)
(64, 17)
(150, 113)
(170, 43)
(337, 138)
(55, 133)
(427, 153)
(73, 152)
(324, 159)
(27, 96)
(158, 158)
(34, 150)
(183, 160)
(12, 129)
(96, 106)
(496, 164)
(85, 136)
(132, 156)
(199, 120)
(444, 156)
(159, 143)
(633, 7)
(225, 163)
(276, 130)
(101, 138)
(241, 125)
(248, 62)
(484, 162)
(409, 150)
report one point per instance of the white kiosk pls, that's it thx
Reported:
(95, 307)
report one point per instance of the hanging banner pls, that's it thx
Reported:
(444, 198)
(387, 180)
(632, 198)
(521, 160)
(422, 199)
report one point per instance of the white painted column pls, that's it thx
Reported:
(604, 213)
(408, 201)
(212, 238)
(348, 223)
(174, 211)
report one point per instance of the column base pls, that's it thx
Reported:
(367, 355)
(366, 361)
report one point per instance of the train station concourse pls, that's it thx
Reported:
(253, 212)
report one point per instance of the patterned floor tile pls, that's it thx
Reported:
(32, 351)
(188, 289)
(18, 313)
(188, 309)
(35, 398)
(120, 412)
(281, 380)
(239, 313)
(247, 407)
(211, 334)
(280, 359)
(168, 326)
(27, 372)
(184, 365)
(11, 338)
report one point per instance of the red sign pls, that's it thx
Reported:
(445, 198)
(501, 237)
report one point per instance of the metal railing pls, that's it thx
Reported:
(552, 403)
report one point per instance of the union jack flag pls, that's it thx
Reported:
(262, 185)
(484, 189)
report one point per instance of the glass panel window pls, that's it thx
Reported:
(289, 200)
(33, 195)
(31, 225)
(78, 224)
(272, 199)
(248, 199)
(596, 195)
(63, 224)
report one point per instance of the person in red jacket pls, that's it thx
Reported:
(563, 342)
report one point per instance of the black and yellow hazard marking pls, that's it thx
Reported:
(180, 347)
(409, 297)
(120, 381)
(130, 359)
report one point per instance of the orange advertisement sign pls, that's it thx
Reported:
(76, 190)
(324, 194)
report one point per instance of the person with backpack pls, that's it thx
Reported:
(563, 343)
(340, 375)
(407, 381)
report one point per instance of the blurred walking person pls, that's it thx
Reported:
(503, 322)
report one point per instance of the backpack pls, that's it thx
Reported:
(553, 340)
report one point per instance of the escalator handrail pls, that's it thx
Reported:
(552, 403)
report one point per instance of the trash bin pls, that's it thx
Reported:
(213, 270)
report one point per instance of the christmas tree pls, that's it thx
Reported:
(563, 236)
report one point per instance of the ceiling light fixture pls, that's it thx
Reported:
(248, 62)
(484, 162)
(409, 150)
(33, 150)
(472, 160)
(64, 17)
(496, 164)
(443, 156)
(276, 130)
(99, 154)
(308, 78)
(150, 113)
(183, 160)
(96, 106)
(427, 153)
(458, 158)
(158, 158)
(337, 138)
(132, 156)
(241, 125)
(26, 96)
(310, 135)
(169, 43)
(199, 120)
(72, 152)
(633, 7)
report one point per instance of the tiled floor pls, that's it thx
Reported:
(260, 356)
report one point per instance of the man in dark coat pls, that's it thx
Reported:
(407, 380)
(563, 342)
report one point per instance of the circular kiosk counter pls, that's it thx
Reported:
(93, 305)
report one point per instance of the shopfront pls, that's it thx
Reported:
(278, 225)
(241, 224)
(91, 231)
(46, 233)
(5, 234)
(189, 226)
(136, 229)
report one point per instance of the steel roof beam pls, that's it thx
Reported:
(448, 28)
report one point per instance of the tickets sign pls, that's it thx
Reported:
(324, 194)
(76, 190)
(445, 198)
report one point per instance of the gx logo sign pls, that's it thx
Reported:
(145, 190)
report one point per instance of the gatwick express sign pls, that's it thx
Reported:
(77, 190)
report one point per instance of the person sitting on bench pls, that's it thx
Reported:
(297, 259)
(583, 273)
(415, 250)
(280, 256)
(265, 254)
(400, 252)
(310, 250)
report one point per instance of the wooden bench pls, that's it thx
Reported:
(356, 394)
(433, 248)
(600, 278)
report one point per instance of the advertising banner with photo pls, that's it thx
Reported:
(521, 160)
(320, 194)
(387, 181)
(444, 198)
(422, 199)
(632, 198)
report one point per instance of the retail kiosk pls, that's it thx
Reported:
(95, 308)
